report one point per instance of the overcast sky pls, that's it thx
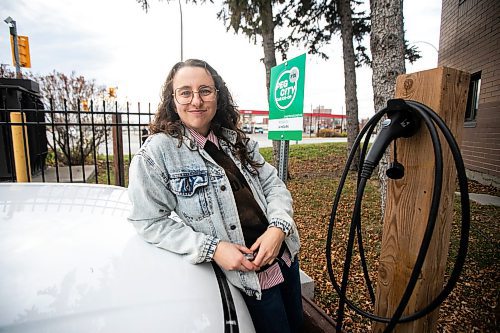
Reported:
(119, 45)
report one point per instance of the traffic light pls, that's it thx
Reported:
(24, 51)
(85, 105)
(112, 92)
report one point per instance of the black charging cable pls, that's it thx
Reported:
(403, 120)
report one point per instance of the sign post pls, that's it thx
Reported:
(286, 102)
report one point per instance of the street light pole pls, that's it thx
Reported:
(180, 11)
(342, 120)
(13, 31)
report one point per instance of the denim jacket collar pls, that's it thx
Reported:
(188, 139)
(230, 135)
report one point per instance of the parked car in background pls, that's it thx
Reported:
(71, 262)
(258, 129)
(246, 128)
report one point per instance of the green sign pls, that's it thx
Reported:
(286, 100)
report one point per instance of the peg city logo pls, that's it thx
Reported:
(286, 100)
(286, 88)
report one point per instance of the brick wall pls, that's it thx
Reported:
(470, 41)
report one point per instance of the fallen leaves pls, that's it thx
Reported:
(472, 305)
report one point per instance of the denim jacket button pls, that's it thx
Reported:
(223, 188)
(232, 227)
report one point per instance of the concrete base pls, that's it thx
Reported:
(307, 285)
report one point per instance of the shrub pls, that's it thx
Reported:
(330, 133)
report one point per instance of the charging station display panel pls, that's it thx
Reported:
(286, 100)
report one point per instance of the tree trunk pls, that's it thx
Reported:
(267, 27)
(351, 99)
(266, 14)
(387, 48)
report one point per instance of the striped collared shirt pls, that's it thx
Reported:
(272, 276)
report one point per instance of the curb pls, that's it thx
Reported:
(315, 319)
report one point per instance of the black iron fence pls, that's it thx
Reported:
(92, 144)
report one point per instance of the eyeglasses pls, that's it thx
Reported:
(185, 96)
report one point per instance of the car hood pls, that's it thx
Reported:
(71, 262)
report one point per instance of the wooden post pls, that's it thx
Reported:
(408, 201)
(118, 163)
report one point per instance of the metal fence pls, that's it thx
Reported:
(91, 145)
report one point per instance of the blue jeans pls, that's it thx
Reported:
(280, 309)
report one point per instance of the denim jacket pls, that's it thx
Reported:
(183, 202)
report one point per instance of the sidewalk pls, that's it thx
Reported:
(62, 174)
(484, 199)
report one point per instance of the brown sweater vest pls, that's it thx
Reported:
(253, 221)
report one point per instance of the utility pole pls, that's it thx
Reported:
(13, 32)
(310, 125)
(182, 46)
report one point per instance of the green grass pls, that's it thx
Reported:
(305, 152)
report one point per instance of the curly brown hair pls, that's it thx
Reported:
(167, 121)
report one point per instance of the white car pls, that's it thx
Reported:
(71, 262)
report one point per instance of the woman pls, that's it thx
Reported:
(233, 208)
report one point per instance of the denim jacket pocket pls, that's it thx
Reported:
(190, 187)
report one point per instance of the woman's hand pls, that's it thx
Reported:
(231, 257)
(268, 246)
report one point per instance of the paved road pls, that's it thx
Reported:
(265, 142)
(260, 138)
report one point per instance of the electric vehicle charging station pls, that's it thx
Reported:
(425, 119)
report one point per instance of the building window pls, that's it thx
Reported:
(473, 98)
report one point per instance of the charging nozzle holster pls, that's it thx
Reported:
(402, 121)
